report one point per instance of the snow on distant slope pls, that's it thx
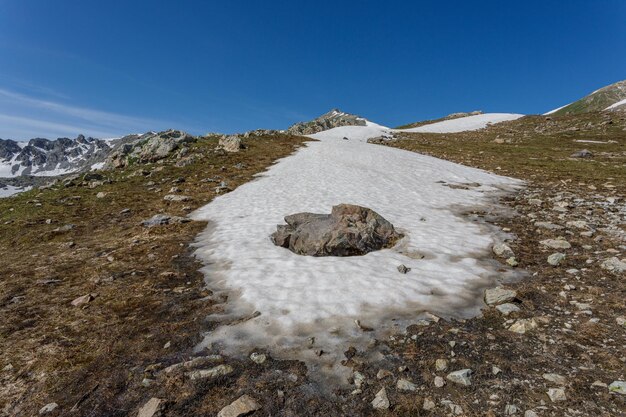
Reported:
(465, 123)
(556, 110)
(9, 190)
(299, 297)
(615, 105)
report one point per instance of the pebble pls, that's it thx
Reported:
(499, 295)
(557, 394)
(507, 308)
(152, 408)
(556, 243)
(441, 365)
(48, 408)
(556, 258)
(618, 387)
(439, 382)
(403, 269)
(258, 358)
(502, 250)
(428, 404)
(521, 326)
(405, 385)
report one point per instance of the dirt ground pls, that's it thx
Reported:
(109, 356)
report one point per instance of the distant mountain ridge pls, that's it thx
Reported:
(609, 98)
(332, 119)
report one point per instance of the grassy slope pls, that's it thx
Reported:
(148, 287)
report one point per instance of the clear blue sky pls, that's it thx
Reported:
(111, 67)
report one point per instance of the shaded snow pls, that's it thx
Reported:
(9, 190)
(301, 297)
(614, 105)
(463, 124)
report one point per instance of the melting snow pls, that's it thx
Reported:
(301, 297)
(614, 105)
(9, 190)
(463, 124)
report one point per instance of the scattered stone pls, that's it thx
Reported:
(621, 321)
(403, 269)
(231, 143)
(522, 326)
(48, 408)
(582, 154)
(557, 394)
(428, 404)
(499, 295)
(530, 413)
(163, 219)
(618, 387)
(614, 265)
(507, 308)
(502, 250)
(556, 258)
(405, 385)
(556, 243)
(461, 377)
(495, 370)
(555, 378)
(381, 401)
(439, 382)
(548, 226)
(101, 194)
(244, 405)
(82, 300)
(193, 363)
(512, 262)
(359, 379)
(258, 358)
(510, 410)
(219, 370)
(349, 230)
(176, 197)
(383, 373)
(152, 408)
(441, 365)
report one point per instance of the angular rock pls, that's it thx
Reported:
(152, 408)
(555, 378)
(614, 265)
(381, 401)
(618, 387)
(403, 269)
(557, 394)
(163, 219)
(556, 258)
(231, 143)
(556, 243)
(507, 308)
(461, 377)
(502, 250)
(582, 154)
(405, 385)
(82, 300)
(244, 405)
(428, 404)
(522, 326)
(258, 358)
(441, 365)
(349, 230)
(176, 197)
(48, 408)
(219, 370)
(499, 295)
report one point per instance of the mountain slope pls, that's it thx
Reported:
(467, 123)
(611, 97)
(334, 118)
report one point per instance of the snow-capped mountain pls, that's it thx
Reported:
(44, 157)
(609, 98)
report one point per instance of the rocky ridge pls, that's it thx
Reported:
(334, 118)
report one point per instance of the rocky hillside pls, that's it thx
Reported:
(41, 157)
(333, 118)
(611, 98)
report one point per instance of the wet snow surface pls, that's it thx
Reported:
(299, 297)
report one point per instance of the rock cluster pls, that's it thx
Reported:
(334, 118)
(147, 148)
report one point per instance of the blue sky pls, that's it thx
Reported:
(112, 67)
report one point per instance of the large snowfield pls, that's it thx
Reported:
(299, 297)
(463, 124)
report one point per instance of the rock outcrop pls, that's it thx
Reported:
(334, 118)
(147, 148)
(349, 230)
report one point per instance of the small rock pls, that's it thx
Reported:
(556, 258)
(403, 269)
(618, 387)
(521, 326)
(555, 378)
(502, 250)
(231, 143)
(557, 394)
(428, 404)
(495, 370)
(383, 373)
(582, 154)
(510, 410)
(152, 408)
(210, 373)
(507, 308)
(530, 413)
(176, 197)
(82, 300)
(244, 405)
(101, 194)
(556, 243)
(381, 401)
(499, 295)
(405, 385)
(48, 408)
(512, 262)
(258, 358)
(441, 365)
(614, 265)
(359, 379)
(461, 377)
(439, 382)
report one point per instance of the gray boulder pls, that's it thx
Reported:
(349, 230)
(582, 154)
(231, 143)
(147, 148)
(334, 118)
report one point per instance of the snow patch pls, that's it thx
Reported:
(614, 105)
(9, 190)
(464, 124)
(300, 297)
